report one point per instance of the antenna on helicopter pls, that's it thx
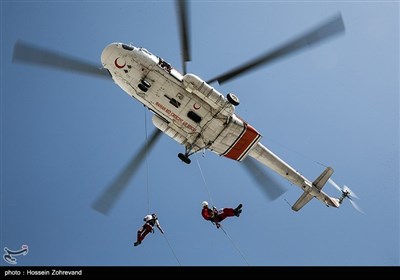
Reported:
(346, 193)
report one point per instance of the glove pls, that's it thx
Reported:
(218, 225)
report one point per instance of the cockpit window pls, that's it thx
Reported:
(126, 47)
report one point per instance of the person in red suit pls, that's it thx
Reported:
(150, 222)
(216, 216)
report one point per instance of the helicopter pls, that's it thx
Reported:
(189, 109)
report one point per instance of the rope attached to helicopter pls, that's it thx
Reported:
(236, 247)
(220, 226)
(146, 163)
(204, 180)
(147, 184)
(172, 250)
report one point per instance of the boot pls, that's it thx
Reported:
(238, 210)
(137, 243)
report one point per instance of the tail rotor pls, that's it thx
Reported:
(346, 193)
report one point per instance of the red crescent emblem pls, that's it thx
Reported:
(119, 66)
(196, 106)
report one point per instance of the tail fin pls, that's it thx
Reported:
(318, 183)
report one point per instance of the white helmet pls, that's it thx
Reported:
(204, 203)
(148, 218)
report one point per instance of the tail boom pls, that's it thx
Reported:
(311, 189)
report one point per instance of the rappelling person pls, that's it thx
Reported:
(150, 221)
(216, 216)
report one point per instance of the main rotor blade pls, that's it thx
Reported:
(271, 187)
(109, 197)
(31, 54)
(332, 27)
(183, 16)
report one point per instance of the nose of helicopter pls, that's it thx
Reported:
(107, 53)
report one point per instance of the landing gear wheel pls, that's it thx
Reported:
(184, 158)
(233, 99)
(145, 83)
(142, 87)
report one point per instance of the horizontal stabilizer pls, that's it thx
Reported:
(303, 200)
(319, 183)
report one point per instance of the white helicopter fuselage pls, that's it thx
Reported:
(197, 116)
(185, 107)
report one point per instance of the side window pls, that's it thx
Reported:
(164, 65)
(194, 117)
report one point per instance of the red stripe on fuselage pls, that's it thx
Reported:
(243, 144)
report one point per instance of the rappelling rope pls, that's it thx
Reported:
(234, 245)
(147, 183)
(172, 250)
(147, 166)
(204, 180)
(212, 203)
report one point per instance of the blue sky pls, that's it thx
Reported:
(65, 136)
